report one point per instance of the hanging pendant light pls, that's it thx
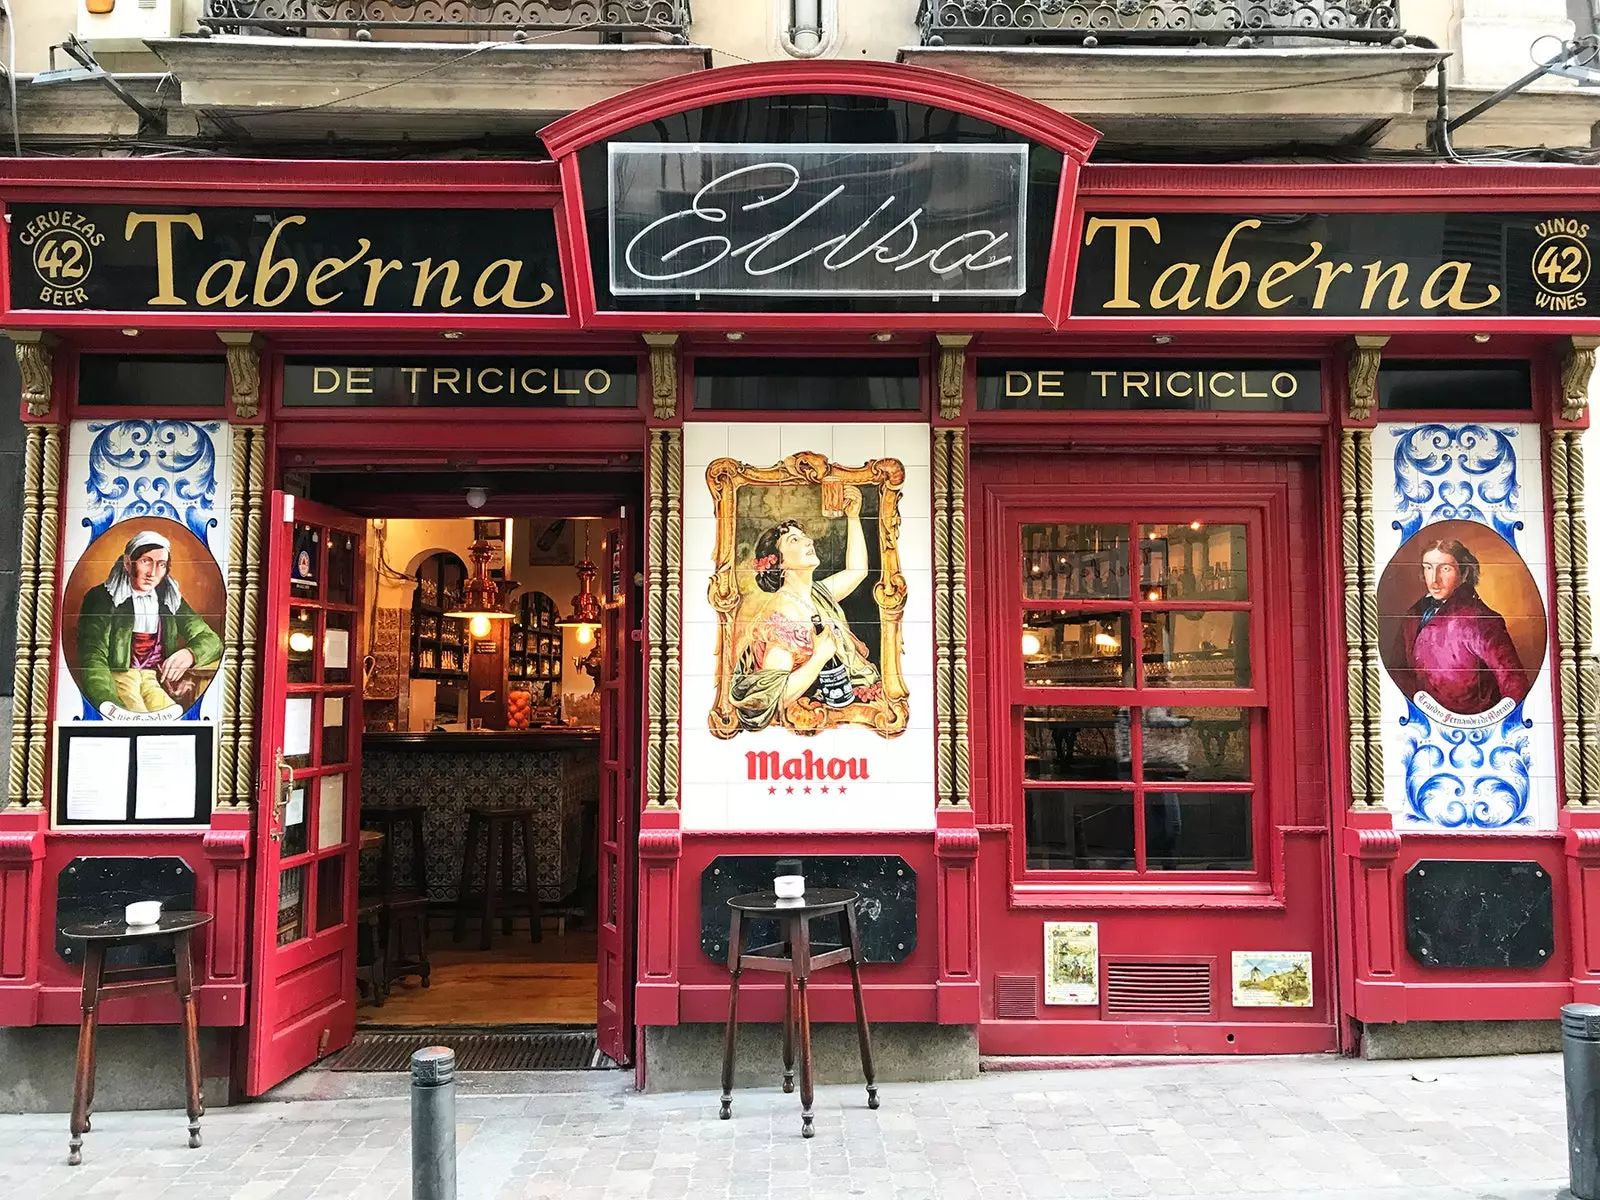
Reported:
(585, 616)
(483, 599)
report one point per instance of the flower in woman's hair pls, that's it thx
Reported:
(766, 562)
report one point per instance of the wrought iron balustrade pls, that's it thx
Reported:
(607, 20)
(1171, 22)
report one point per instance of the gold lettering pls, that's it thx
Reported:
(604, 385)
(1184, 297)
(507, 294)
(267, 267)
(555, 378)
(166, 292)
(1172, 378)
(1018, 383)
(1278, 272)
(327, 268)
(1104, 377)
(535, 372)
(1136, 379)
(450, 269)
(1376, 274)
(1120, 277)
(1280, 393)
(414, 372)
(1244, 389)
(1217, 391)
(377, 268)
(318, 374)
(1221, 269)
(446, 376)
(1328, 272)
(1050, 384)
(1454, 297)
(230, 293)
(483, 381)
(356, 379)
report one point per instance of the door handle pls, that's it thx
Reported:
(284, 782)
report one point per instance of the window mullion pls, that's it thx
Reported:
(1136, 753)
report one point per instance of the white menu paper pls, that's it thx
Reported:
(97, 779)
(165, 786)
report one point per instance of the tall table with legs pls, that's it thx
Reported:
(797, 956)
(101, 983)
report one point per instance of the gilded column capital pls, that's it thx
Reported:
(1576, 368)
(663, 374)
(1365, 356)
(34, 362)
(244, 371)
(952, 373)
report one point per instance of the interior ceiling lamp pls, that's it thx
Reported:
(482, 599)
(585, 615)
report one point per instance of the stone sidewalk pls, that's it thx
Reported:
(1486, 1129)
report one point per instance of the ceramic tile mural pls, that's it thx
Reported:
(1463, 606)
(145, 552)
(807, 627)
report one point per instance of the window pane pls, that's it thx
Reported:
(1197, 831)
(337, 647)
(305, 565)
(330, 811)
(1075, 562)
(1076, 743)
(1193, 561)
(1207, 744)
(1080, 830)
(341, 567)
(1196, 649)
(330, 892)
(291, 906)
(335, 731)
(1084, 649)
(302, 641)
(294, 822)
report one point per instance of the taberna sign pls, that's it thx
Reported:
(817, 220)
(160, 258)
(1465, 264)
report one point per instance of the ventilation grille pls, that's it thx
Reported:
(1016, 997)
(1174, 988)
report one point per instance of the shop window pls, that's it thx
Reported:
(805, 385)
(118, 381)
(1118, 385)
(1503, 386)
(1139, 703)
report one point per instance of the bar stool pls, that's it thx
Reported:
(497, 827)
(370, 970)
(404, 908)
(101, 983)
(796, 956)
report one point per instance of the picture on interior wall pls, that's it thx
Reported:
(809, 596)
(1272, 979)
(551, 543)
(143, 616)
(1461, 623)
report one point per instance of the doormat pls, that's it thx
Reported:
(536, 1050)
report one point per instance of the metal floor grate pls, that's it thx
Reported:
(531, 1050)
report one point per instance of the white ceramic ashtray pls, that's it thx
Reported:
(789, 887)
(143, 912)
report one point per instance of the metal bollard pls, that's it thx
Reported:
(1580, 1062)
(433, 1124)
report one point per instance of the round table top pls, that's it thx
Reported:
(816, 900)
(115, 929)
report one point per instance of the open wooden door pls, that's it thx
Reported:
(619, 800)
(302, 984)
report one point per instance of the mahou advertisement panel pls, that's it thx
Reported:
(1463, 631)
(807, 628)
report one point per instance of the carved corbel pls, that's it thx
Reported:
(244, 372)
(1576, 368)
(952, 373)
(663, 374)
(1366, 355)
(34, 362)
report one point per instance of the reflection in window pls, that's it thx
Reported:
(1197, 831)
(1075, 743)
(291, 905)
(1193, 743)
(1076, 649)
(1080, 829)
(1196, 649)
(1075, 562)
(1195, 561)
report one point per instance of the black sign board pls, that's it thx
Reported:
(1201, 385)
(119, 773)
(461, 382)
(160, 258)
(1449, 265)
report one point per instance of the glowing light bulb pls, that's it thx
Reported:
(301, 642)
(1106, 640)
(1194, 524)
(1030, 643)
(585, 634)
(1153, 596)
(480, 626)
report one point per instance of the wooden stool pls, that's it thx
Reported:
(100, 983)
(795, 955)
(404, 905)
(371, 973)
(497, 827)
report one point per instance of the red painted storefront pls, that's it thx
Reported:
(1324, 877)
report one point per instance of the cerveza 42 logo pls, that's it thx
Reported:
(1561, 264)
(61, 244)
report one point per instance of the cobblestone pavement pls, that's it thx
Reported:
(1488, 1129)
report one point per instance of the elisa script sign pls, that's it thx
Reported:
(817, 220)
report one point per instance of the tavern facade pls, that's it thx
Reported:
(1161, 591)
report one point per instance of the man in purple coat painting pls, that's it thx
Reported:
(1451, 644)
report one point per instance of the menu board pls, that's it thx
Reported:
(111, 774)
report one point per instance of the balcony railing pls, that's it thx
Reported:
(1162, 22)
(597, 20)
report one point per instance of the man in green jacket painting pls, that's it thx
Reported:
(139, 643)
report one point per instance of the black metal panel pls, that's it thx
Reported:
(1475, 913)
(886, 911)
(96, 889)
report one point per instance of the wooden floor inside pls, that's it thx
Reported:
(515, 982)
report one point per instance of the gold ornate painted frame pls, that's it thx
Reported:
(887, 715)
